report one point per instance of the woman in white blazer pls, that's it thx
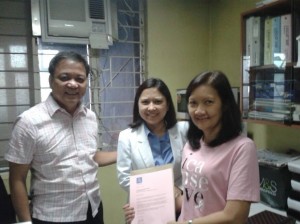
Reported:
(154, 137)
(134, 152)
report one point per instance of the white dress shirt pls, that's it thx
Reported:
(60, 149)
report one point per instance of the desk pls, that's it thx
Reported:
(259, 207)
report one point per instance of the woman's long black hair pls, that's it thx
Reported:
(231, 122)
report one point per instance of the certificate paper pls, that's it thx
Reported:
(152, 195)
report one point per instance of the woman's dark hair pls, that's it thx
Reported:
(70, 55)
(231, 122)
(170, 117)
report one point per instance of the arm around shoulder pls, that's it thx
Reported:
(105, 158)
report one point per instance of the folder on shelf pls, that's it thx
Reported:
(286, 37)
(254, 40)
(249, 37)
(257, 38)
(276, 38)
(268, 41)
(272, 40)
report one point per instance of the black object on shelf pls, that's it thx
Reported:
(267, 217)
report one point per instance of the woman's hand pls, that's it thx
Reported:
(178, 198)
(129, 213)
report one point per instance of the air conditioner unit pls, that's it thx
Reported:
(91, 22)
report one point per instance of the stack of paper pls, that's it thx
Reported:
(293, 201)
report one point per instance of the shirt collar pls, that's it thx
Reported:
(149, 133)
(53, 107)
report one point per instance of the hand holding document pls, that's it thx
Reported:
(152, 195)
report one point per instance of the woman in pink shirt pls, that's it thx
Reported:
(219, 164)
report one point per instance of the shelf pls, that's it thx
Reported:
(272, 9)
(272, 67)
(268, 73)
(271, 123)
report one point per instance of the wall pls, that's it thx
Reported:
(177, 40)
(225, 36)
(275, 138)
(113, 197)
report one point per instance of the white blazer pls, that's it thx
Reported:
(134, 152)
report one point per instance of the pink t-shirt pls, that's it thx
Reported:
(213, 175)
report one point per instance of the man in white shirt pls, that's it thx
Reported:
(56, 141)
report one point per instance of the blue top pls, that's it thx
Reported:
(160, 147)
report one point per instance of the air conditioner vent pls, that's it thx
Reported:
(96, 8)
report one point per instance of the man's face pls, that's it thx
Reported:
(68, 84)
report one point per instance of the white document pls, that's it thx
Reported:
(152, 195)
